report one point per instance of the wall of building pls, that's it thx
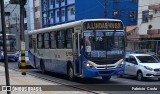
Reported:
(37, 14)
(86, 9)
(29, 20)
(124, 8)
(57, 12)
(154, 21)
(12, 19)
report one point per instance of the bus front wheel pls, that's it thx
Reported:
(106, 78)
(70, 73)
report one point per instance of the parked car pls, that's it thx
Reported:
(142, 66)
(28, 62)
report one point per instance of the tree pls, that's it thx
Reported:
(14, 1)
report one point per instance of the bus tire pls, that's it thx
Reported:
(42, 66)
(70, 73)
(106, 78)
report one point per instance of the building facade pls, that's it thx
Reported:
(12, 18)
(29, 16)
(149, 18)
(148, 34)
(37, 14)
(61, 11)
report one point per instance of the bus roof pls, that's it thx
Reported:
(67, 25)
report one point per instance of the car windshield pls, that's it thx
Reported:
(156, 57)
(146, 59)
(101, 44)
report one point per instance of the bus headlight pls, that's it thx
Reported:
(121, 64)
(89, 65)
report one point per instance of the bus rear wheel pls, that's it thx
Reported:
(106, 78)
(42, 66)
(70, 73)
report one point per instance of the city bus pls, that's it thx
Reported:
(85, 48)
(12, 53)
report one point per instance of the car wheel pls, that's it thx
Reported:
(70, 73)
(42, 66)
(106, 78)
(140, 76)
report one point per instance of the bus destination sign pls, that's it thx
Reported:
(102, 25)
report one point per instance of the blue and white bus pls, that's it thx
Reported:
(12, 53)
(85, 48)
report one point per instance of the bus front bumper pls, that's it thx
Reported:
(87, 73)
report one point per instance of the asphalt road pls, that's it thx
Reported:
(97, 83)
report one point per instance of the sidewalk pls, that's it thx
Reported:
(17, 79)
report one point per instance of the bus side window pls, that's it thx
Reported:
(69, 38)
(40, 40)
(53, 39)
(61, 39)
(46, 40)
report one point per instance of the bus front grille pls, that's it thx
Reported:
(105, 72)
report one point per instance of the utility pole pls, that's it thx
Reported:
(22, 38)
(105, 8)
(4, 45)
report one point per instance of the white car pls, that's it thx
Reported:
(27, 61)
(142, 66)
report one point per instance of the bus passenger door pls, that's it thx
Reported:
(76, 54)
(34, 51)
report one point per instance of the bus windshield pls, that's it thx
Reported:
(103, 44)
